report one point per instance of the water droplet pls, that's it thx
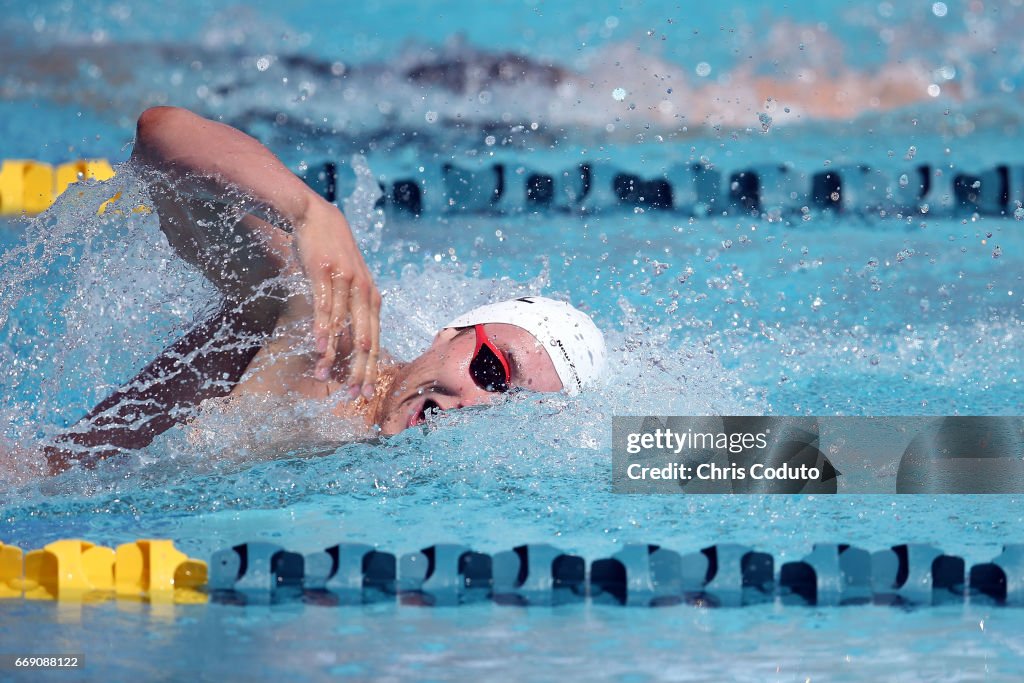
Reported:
(997, 252)
(619, 94)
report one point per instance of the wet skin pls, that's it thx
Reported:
(440, 380)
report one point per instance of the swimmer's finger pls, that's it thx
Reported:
(321, 312)
(361, 337)
(339, 315)
(322, 304)
(370, 382)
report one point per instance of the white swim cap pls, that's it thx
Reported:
(572, 340)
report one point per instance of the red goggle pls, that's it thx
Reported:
(489, 367)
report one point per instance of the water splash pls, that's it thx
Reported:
(365, 218)
(117, 294)
(78, 281)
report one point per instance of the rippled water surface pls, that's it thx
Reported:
(856, 313)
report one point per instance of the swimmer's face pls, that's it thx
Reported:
(440, 379)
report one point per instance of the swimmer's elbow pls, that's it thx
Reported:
(156, 119)
(160, 126)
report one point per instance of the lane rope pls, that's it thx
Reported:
(776, 192)
(449, 574)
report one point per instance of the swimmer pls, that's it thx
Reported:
(229, 207)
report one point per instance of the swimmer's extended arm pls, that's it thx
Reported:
(230, 207)
(205, 363)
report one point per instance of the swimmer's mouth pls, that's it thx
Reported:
(421, 417)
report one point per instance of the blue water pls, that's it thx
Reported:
(859, 315)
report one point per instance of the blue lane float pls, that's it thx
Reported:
(538, 574)
(726, 575)
(256, 573)
(350, 574)
(833, 574)
(1002, 579)
(643, 575)
(446, 574)
(916, 574)
(737, 576)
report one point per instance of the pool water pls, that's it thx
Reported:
(828, 314)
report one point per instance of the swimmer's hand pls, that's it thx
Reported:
(346, 302)
(204, 166)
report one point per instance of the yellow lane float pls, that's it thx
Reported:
(30, 187)
(69, 569)
(156, 570)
